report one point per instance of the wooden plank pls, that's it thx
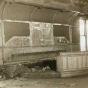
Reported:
(79, 62)
(84, 61)
(74, 62)
(64, 63)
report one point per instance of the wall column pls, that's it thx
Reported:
(70, 36)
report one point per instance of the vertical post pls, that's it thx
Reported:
(2, 30)
(3, 43)
(1, 48)
(70, 36)
(70, 33)
(85, 34)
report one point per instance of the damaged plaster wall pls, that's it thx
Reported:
(19, 17)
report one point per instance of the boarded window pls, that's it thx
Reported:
(60, 30)
(16, 29)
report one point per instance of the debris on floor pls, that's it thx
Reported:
(2, 85)
(41, 72)
(72, 84)
(27, 72)
(62, 83)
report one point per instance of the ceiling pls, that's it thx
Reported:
(72, 1)
(67, 5)
(47, 1)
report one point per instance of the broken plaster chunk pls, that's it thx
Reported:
(0, 76)
(4, 77)
(47, 67)
(62, 83)
(44, 68)
(2, 85)
(37, 68)
(72, 84)
(33, 69)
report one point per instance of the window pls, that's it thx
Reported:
(82, 35)
(81, 26)
(16, 29)
(82, 43)
(87, 32)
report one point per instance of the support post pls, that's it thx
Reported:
(70, 37)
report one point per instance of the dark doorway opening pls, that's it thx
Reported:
(50, 63)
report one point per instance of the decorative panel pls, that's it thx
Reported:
(64, 59)
(41, 33)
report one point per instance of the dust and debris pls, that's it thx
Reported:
(2, 85)
(81, 82)
(72, 84)
(62, 83)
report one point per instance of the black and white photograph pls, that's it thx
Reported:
(43, 43)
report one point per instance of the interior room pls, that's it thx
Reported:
(42, 42)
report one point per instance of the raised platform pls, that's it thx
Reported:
(72, 64)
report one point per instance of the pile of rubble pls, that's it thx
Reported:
(39, 69)
(39, 72)
(27, 72)
(15, 70)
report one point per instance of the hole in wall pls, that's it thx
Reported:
(50, 63)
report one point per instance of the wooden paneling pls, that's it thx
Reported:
(71, 63)
(0, 35)
(64, 63)
(1, 58)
